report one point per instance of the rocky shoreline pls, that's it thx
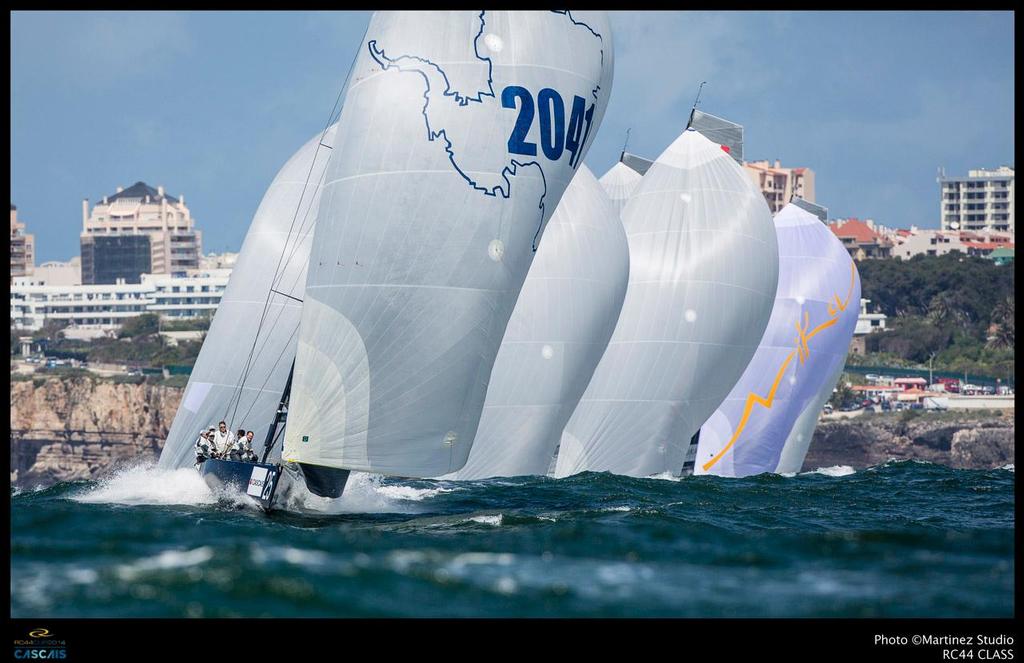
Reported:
(965, 440)
(82, 428)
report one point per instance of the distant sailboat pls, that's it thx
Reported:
(767, 421)
(458, 135)
(558, 331)
(243, 366)
(703, 275)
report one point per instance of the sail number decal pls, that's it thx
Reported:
(555, 138)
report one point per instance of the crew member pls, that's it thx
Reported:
(223, 439)
(248, 454)
(202, 448)
(210, 434)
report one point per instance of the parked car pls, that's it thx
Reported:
(827, 409)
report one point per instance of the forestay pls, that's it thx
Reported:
(459, 133)
(281, 231)
(703, 273)
(768, 419)
(558, 331)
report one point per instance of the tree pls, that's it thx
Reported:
(1002, 325)
(140, 325)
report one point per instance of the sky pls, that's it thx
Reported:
(211, 104)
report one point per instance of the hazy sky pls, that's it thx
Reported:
(211, 104)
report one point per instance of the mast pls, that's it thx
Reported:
(279, 416)
(696, 101)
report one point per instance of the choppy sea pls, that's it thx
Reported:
(905, 539)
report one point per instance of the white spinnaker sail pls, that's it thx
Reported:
(453, 150)
(281, 230)
(561, 324)
(703, 268)
(767, 421)
(619, 183)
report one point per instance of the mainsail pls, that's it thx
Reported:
(702, 279)
(280, 233)
(558, 331)
(458, 135)
(767, 421)
(719, 130)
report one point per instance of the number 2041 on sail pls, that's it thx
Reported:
(555, 139)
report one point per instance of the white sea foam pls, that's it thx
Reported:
(470, 558)
(1008, 467)
(665, 476)
(833, 471)
(410, 492)
(148, 484)
(617, 508)
(297, 556)
(365, 493)
(168, 559)
(494, 521)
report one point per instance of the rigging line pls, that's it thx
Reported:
(277, 268)
(270, 373)
(337, 101)
(295, 280)
(299, 233)
(284, 294)
(695, 102)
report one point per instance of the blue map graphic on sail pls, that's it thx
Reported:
(454, 84)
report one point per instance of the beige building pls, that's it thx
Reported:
(224, 260)
(780, 184)
(110, 235)
(59, 273)
(940, 242)
(23, 247)
(981, 201)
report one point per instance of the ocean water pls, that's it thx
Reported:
(905, 539)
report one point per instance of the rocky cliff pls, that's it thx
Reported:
(63, 430)
(967, 440)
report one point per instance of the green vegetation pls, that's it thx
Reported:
(140, 326)
(954, 309)
(843, 394)
(188, 324)
(138, 342)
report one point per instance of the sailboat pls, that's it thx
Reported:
(767, 421)
(558, 331)
(246, 359)
(703, 274)
(458, 134)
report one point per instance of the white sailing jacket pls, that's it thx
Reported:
(223, 442)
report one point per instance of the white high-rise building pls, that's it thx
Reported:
(981, 201)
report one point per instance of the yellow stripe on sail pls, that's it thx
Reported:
(802, 349)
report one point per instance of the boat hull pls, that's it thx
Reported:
(256, 480)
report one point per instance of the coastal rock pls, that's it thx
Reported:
(79, 428)
(969, 442)
(982, 447)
